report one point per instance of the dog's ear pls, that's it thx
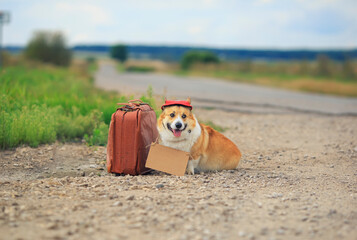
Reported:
(189, 100)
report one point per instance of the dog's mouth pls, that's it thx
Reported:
(176, 132)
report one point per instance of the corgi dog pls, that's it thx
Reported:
(209, 150)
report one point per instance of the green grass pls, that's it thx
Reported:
(99, 136)
(120, 67)
(214, 126)
(142, 69)
(92, 67)
(42, 104)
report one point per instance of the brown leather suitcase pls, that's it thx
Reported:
(132, 130)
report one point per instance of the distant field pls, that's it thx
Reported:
(298, 76)
(334, 86)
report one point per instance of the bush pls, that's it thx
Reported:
(6, 59)
(324, 65)
(348, 69)
(99, 136)
(27, 125)
(91, 60)
(142, 69)
(246, 65)
(119, 52)
(48, 47)
(193, 57)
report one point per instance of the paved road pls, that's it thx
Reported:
(207, 92)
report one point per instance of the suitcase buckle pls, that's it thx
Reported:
(127, 108)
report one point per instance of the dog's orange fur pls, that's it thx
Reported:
(216, 152)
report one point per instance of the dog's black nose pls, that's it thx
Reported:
(178, 125)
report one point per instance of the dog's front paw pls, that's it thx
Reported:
(190, 170)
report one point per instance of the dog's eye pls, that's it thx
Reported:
(172, 115)
(183, 115)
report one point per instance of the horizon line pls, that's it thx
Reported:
(206, 47)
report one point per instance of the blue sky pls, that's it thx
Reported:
(227, 23)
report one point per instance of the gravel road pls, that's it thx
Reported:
(297, 180)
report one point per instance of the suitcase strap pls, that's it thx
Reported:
(133, 105)
(128, 136)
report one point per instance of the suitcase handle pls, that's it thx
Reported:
(132, 102)
(132, 105)
(135, 100)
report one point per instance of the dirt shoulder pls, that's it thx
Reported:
(297, 180)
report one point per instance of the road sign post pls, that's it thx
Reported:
(4, 18)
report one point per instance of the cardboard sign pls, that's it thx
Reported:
(166, 159)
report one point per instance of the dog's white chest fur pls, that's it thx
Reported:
(183, 143)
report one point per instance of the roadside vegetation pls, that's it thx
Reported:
(142, 69)
(198, 57)
(42, 103)
(141, 66)
(46, 96)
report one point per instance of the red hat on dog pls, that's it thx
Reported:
(175, 102)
